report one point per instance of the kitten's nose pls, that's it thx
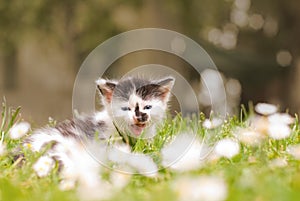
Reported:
(142, 117)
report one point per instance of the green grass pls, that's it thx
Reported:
(249, 175)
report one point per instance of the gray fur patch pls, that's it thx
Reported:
(86, 126)
(144, 88)
(128, 86)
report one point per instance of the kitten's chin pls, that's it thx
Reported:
(137, 129)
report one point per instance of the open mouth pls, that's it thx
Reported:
(137, 129)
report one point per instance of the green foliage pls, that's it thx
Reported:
(249, 175)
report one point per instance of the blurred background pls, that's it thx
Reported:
(254, 44)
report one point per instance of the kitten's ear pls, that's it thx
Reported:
(165, 86)
(106, 88)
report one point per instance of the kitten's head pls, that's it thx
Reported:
(135, 104)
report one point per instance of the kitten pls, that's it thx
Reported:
(133, 107)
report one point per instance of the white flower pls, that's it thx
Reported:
(67, 184)
(249, 136)
(97, 191)
(143, 164)
(294, 150)
(80, 165)
(43, 166)
(183, 154)
(265, 108)
(259, 124)
(279, 131)
(282, 118)
(278, 163)
(213, 123)
(227, 148)
(119, 180)
(126, 161)
(252, 159)
(19, 130)
(204, 188)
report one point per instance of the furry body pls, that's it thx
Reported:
(132, 107)
(81, 129)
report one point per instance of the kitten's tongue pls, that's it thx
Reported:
(137, 129)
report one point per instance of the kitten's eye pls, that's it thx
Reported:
(147, 107)
(125, 108)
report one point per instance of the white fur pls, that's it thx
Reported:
(75, 154)
(124, 119)
(100, 82)
(42, 137)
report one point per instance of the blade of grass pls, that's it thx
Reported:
(243, 113)
(3, 114)
(13, 118)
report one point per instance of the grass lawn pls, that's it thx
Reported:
(262, 166)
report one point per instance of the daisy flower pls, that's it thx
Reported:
(183, 154)
(281, 118)
(128, 162)
(119, 180)
(212, 123)
(249, 136)
(143, 164)
(203, 188)
(101, 190)
(67, 184)
(19, 130)
(265, 108)
(279, 131)
(227, 148)
(43, 166)
(278, 163)
(294, 150)
(260, 124)
(275, 125)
